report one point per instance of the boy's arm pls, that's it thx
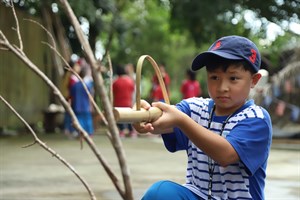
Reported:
(252, 139)
(215, 146)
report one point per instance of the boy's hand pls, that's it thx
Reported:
(170, 118)
(144, 127)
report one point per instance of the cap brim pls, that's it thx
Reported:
(202, 59)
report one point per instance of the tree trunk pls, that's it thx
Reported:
(108, 110)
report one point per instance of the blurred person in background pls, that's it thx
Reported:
(156, 91)
(81, 103)
(123, 89)
(69, 79)
(190, 87)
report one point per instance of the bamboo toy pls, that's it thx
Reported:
(133, 115)
(129, 115)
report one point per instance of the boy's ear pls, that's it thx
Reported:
(255, 78)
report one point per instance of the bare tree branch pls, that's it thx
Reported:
(17, 26)
(77, 126)
(54, 48)
(101, 90)
(48, 33)
(52, 152)
(110, 77)
(69, 68)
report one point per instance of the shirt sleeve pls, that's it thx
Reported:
(177, 140)
(251, 138)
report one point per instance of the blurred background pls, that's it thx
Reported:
(173, 32)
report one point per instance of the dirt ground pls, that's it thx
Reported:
(33, 174)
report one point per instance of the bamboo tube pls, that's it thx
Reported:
(129, 115)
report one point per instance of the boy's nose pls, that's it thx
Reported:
(223, 86)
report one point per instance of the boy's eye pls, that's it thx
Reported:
(213, 77)
(234, 78)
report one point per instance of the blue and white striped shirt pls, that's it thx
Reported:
(249, 131)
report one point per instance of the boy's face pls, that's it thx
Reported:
(229, 89)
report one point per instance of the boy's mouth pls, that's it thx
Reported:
(223, 98)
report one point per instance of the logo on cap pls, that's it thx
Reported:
(252, 58)
(218, 45)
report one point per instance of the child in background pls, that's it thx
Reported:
(123, 89)
(130, 71)
(69, 79)
(190, 87)
(156, 93)
(81, 103)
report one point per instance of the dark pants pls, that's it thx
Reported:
(122, 127)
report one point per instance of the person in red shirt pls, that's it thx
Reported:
(156, 91)
(190, 87)
(123, 88)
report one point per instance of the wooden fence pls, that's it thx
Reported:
(26, 92)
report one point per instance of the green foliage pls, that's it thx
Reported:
(147, 31)
(174, 31)
(207, 22)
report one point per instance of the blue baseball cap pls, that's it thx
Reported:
(232, 48)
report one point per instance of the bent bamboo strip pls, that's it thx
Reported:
(130, 115)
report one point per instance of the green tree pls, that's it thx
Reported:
(207, 20)
(147, 31)
(172, 31)
(90, 13)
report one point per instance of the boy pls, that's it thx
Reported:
(227, 137)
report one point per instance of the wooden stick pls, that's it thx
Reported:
(129, 115)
